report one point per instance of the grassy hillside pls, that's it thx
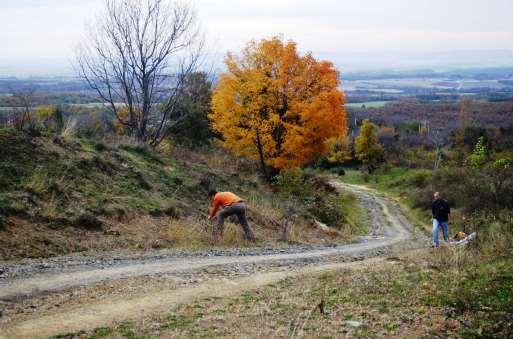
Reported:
(65, 195)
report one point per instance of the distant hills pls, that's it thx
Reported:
(376, 63)
(490, 73)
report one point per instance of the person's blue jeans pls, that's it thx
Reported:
(445, 229)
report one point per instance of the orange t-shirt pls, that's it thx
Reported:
(223, 199)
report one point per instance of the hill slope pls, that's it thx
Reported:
(60, 196)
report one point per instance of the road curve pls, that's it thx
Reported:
(389, 229)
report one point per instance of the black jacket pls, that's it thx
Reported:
(441, 210)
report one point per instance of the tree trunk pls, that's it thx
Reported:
(438, 158)
(260, 148)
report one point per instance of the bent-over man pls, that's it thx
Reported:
(231, 204)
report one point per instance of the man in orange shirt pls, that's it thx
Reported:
(231, 205)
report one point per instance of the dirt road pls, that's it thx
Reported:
(68, 294)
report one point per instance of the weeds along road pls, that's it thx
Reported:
(67, 294)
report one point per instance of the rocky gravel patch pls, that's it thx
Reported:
(80, 261)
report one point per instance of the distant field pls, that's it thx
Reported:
(368, 104)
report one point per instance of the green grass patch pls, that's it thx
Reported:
(486, 293)
(412, 188)
(354, 214)
(87, 179)
(391, 180)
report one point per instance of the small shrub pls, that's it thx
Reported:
(291, 183)
(172, 212)
(495, 235)
(422, 198)
(205, 183)
(100, 147)
(319, 199)
(98, 163)
(480, 154)
(117, 211)
(8, 208)
(70, 129)
(484, 189)
(3, 223)
(88, 221)
(365, 177)
(58, 223)
(34, 132)
(420, 179)
(141, 180)
(328, 212)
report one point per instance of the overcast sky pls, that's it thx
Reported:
(345, 31)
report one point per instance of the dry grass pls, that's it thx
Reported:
(374, 301)
(144, 232)
(487, 247)
(115, 141)
(70, 128)
(197, 233)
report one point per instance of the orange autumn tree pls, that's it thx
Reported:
(277, 106)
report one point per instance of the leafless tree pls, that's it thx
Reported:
(24, 104)
(437, 137)
(136, 57)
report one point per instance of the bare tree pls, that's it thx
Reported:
(24, 104)
(136, 57)
(437, 137)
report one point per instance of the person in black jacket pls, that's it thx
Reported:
(441, 216)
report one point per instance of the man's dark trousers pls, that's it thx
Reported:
(238, 209)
